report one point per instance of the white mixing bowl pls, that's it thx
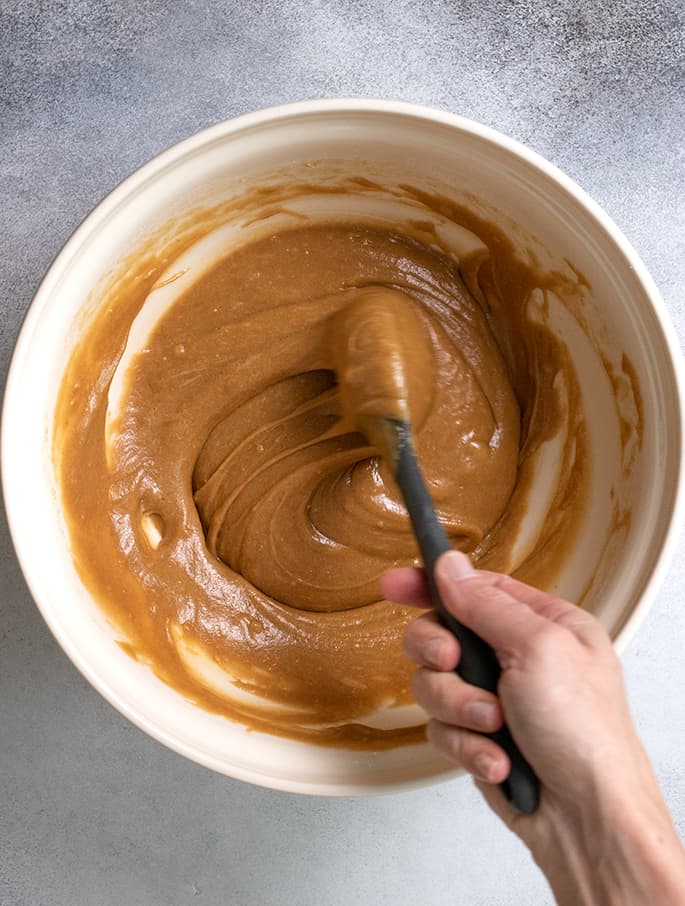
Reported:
(623, 315)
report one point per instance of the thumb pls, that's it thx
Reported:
(477, 600)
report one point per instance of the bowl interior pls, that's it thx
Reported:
(622, 321)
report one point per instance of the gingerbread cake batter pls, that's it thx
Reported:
(235, 527)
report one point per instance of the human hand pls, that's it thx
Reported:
(561, 693)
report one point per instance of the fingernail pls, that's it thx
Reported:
(485, 766)
(455, 565)
(482, 715)
(432, 650)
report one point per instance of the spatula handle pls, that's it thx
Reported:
(478, 664)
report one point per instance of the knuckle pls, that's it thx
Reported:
(445, 697)
(479, 586)
(471, 747)
(421, 685)
(438, 694)
(409, 645)
(417, 681)
(455, 746)
(473, 750)
(416, 636)
(477, 591)
(447, 740)
(545, 643)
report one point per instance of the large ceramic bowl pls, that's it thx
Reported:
(625, 326)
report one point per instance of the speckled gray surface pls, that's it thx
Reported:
(91, 810)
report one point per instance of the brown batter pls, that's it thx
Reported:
(237, 521)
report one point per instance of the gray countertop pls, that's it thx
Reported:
(92, 811)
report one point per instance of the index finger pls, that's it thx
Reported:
(406, 585)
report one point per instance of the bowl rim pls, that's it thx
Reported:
(153, 168)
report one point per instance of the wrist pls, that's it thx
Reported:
(619, 847)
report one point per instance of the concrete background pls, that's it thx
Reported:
(94, 812)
